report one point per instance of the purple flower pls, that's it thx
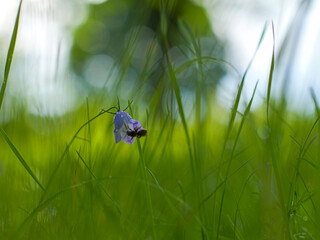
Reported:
(126, 128)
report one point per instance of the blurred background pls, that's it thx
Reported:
(67, 51)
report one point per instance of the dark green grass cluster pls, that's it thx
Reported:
(229, 175)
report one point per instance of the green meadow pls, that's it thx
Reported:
(202, 171)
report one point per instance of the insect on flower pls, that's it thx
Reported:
(126, 128)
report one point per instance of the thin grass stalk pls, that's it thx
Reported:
(317, 109)
(238, 203)
(271, 141)
(200, 134)
(231, 158)
(280, 190)
(270, 74)
(177, 92)
(44, 204)
(234, 111)
(20, 158)
(10, 55)
(146, 188)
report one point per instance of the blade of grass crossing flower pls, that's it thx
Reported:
(10, 55)
(270, 74)
(20, 158)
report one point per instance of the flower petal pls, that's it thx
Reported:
(117, 135)
(118, 121)
(128, 139)
(137, 126)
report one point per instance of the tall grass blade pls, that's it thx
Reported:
(316, 104)
(143, 169)
(237, 100)
(270, 75)
(44, 204)
(100, 185)
(179, 102)
(20, 158)
(147, 188)
(222, 183)
(157, 184)
(10, 55)
(232, 156)
(237, 209)
(195, 165)
(234, 110)
(198, 138)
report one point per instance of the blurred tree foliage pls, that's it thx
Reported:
(124, 30)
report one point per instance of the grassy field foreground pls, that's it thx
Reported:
(260, 181)
(214, 174)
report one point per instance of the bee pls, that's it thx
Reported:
(137, 134)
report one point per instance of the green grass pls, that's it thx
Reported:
(110, 197)
(228, 175)
(10, 56)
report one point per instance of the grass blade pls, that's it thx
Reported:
(270, 75)
(316, 105)
(234, 110)
(43, 205)
(10, 56)
(232, 156)
(143, 169)
(147, 188)
(100, 185)
(207, 59)
(20, 158)
(236, 103)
